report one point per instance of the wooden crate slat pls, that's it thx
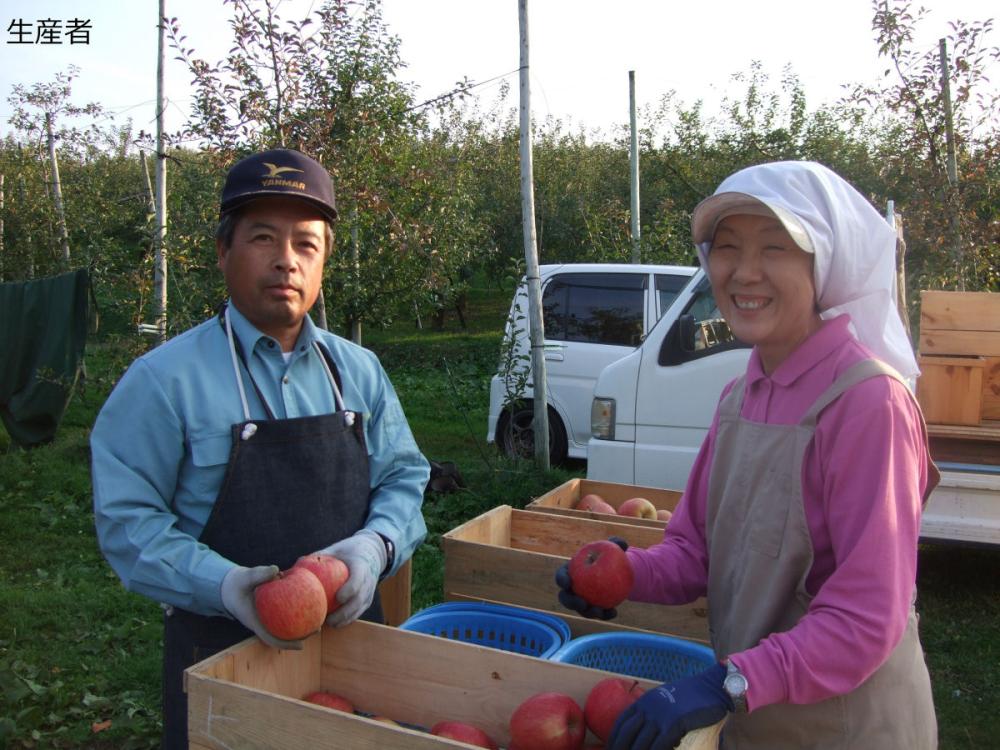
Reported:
(991, 389)
(950, 389)
(959, 311)
(965, 343)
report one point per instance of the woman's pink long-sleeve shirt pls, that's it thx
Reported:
(863, 477)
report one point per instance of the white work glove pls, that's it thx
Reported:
(237, 597)
(364, 555)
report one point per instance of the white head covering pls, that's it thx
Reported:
(854, 247)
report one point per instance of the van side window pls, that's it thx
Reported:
(668, 286)
(602, 308)
(700, 330)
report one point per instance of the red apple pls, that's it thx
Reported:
(601, 573)
(330, 571)
(587, 502)
(605, 702)
(330, 700)
(639, 507)
(662, 514)
(595, 504)
(291, 606)
(457, 730)
(548, 721)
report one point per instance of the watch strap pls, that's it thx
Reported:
(390, 554)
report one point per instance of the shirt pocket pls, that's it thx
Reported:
(209, 458)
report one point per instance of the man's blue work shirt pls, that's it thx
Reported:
(161, 443)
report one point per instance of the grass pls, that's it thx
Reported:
(80, 656)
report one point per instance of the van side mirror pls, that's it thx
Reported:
(690, 339)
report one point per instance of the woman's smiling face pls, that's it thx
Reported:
(763, 284)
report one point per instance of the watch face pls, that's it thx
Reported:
(735, 684)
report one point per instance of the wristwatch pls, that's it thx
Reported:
(390, 554)
(736, 686)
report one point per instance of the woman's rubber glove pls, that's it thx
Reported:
(237, 597)
(663, 715)
(365, 557)
(571, 600)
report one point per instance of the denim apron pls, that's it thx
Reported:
(761, 554)
(291, 487)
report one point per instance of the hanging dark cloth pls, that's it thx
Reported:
(43, 334)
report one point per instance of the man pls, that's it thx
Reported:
(255, 438)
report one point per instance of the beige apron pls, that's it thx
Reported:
(761, 553)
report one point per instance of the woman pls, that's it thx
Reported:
(802, 511)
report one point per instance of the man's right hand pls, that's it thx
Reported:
(237, 597)
(571, 600)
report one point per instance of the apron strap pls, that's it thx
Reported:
(236, 348)
(863, 370)
(732, 404)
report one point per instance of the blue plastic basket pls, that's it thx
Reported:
(507, 628)
(652, 657)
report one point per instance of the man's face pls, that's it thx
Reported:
(274, 266)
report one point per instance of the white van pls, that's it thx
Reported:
(652, 408)
(594, 314)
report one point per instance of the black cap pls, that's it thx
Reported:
(280, 172)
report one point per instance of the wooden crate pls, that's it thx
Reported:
(248, 696)
(511, 556)
(960, 323)
(562, 499)
(950, 389)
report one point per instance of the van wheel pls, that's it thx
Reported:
(516, 434)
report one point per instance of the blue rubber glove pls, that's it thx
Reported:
(663, 715)
(365, 557)
(570, 600)
(238, 599)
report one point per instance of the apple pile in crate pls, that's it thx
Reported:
(635, 507)
(544, 721)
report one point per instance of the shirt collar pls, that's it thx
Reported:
(249, 336)
(820, 345)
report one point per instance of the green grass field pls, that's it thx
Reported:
(79, 656)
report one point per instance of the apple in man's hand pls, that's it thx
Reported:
(639, 507)
(330, 700)
(468, 733)
(547, 721)
(330, 571)
(292, 605)
(601, 574)
(605, 702)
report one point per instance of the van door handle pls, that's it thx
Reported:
(554, 356)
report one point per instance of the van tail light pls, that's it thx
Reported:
(602, 418)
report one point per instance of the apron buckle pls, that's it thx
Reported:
(248, 431)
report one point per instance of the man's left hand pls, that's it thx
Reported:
(365, 557)
(663, 715)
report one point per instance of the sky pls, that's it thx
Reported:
(580, 52)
